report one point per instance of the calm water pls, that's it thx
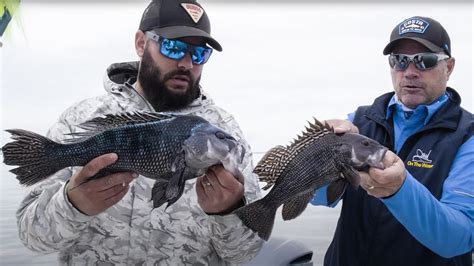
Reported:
(282, 64)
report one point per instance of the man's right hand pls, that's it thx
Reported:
(342, 126)
(95, 196)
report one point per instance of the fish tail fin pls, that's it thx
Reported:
(259, 217)
(30, 152)
(270, 167)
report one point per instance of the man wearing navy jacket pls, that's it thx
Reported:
(419, 210)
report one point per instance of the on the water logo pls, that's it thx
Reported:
(421, 159)
(194, 11)
(416, 25)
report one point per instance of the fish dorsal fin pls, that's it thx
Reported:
(272, 164)
(270, 167)
(109, 121)
(313, 133)
(117, 120)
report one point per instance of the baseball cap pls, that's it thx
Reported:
(174, 19)
(424, 30)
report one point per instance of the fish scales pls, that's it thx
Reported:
(167, 148)
(135, 145)
(312, 167)
(317, 158)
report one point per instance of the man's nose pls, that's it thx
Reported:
(186, 62)
(411, 71)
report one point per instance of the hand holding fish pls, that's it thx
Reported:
(342, 126)
(95, 196)
(219, 191)
(384, 182)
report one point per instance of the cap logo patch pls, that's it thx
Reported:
(194, 11)
(415, 25)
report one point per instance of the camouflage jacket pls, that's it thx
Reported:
(131, 232)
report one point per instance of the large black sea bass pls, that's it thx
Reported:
(317, 158)
(168, 148)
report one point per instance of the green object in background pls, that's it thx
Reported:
(6, 18)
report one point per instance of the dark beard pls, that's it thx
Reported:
(155, 90)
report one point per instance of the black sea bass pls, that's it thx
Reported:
(168, 148)
(315, 159)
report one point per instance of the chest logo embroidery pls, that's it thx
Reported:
(421, 160)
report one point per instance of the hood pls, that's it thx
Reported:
(119, 74)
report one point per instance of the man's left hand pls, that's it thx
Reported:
(219, 191)
(384, 182)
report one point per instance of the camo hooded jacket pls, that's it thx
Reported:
(131, 232)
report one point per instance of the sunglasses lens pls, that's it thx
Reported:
(173, 49)
(201, 55)
(176, 50)
(398, 62)
(426, 61)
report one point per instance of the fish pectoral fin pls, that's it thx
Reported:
(176, 185)
(351, 174)
(335, 190)
(158, 193)
(295, 206)
(176, 180)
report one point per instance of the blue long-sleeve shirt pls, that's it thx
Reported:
(445, 226)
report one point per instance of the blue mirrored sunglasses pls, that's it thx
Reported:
(177, 50)
(422, 61)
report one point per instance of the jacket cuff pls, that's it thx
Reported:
(228, 220)
(399, 194)
(62, 203)
(242, 202)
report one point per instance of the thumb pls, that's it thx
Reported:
(95, 165)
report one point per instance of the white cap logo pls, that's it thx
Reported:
(194, 11)
(415, 25)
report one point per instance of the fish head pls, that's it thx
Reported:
(209, 145)
(363, 151)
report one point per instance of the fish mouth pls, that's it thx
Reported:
(202, 151)
(238, 152)
(376, 160)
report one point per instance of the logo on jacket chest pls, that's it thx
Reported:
(421, 160)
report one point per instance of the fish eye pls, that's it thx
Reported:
(220, 135)
(365, 142)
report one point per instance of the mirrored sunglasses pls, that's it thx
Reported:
(422, 61)
(177, 50)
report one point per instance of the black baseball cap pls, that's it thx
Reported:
(424, 30)
(174, 19)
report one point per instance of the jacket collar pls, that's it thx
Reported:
(445, 113)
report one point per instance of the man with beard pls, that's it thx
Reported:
(111, 220)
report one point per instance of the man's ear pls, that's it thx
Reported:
(140, 41)
(450, 66)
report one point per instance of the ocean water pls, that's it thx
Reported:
(282, 65)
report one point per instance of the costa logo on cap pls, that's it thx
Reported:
(415, 25)
(194, 11)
